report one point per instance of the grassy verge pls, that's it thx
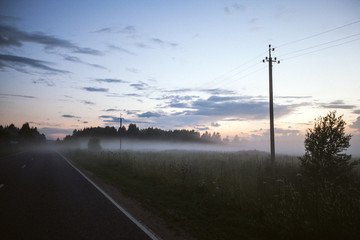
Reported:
(230, 195)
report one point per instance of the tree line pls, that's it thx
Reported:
(11, 136)
(133, 132)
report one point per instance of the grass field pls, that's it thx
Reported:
(214, 195)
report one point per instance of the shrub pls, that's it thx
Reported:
(324, 158)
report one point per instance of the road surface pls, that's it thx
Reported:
(43, 197)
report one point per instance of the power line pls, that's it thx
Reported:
(245, 76)
(229, 79)
(318, 34)
(318, 50)
(226, 78)
(225, 75)
(318, 45)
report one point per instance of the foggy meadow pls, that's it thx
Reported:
(215, 189)
(230, 195)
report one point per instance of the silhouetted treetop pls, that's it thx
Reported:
(147, 134)
(25, 136)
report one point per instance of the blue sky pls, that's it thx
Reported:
(67, 65)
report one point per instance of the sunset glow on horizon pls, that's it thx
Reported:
(68, 65)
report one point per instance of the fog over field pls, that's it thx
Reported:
(294, 147)
(142, 145)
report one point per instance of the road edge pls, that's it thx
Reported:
(144, 228)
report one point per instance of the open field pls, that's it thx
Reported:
(233, 195)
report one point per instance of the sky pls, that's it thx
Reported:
(68, 65)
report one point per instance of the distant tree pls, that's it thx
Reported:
(71, 141)
(12, 130)
(324, 158)
(94, 144)
(206, 136)
(133, 130)
(216, 137)
(30, 136)
(122, 131)
(144, 134)
(226, 140)
(25, 131)
(236, 139)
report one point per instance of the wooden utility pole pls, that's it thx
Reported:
(271, 103)
(120, 133)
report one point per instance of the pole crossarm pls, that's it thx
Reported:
(271, 102)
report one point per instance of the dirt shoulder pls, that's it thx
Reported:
(149, 219)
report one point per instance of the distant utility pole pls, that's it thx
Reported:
(120, 132)
(271, 103)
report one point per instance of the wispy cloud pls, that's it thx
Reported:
(253, 20)
(128, 30)
(78, 60)
(149, 115)
(18, 63)
(132, 95)
(69, 116)
(11, 36)
(338, 104)
(105, 116)
(88, 102)
(356, 124)
(132, 70)
(163, 43)
(140, 86)
(235, 8)
(232, 107)
(294, 97)
(202, 128)
(42, 81)
(110, 80)
(143, 45)
(215, 124)
(95, 89)
(17, 95)
(218, 91)
(104, 30)
(110, 119)
(120, 49)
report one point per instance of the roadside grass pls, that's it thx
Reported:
(238, 195)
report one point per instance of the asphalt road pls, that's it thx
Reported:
(43, 197)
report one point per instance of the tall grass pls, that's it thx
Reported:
(215, 195)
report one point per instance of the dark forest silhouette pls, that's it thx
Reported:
(133, 132)
(13, 137)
